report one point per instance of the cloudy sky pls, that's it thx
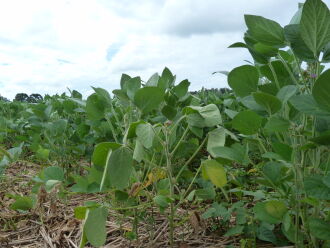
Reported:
(47, 46)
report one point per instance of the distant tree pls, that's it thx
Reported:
(21, 97)
(34, 98)
(3, 99)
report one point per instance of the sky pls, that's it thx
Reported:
(48, 46)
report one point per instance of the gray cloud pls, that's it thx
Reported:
(189, 17)
(64, 61)
(75, 44)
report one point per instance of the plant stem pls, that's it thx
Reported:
(274, 75)
(191, 158)
(225, 194)
(190, 185)
(289, 70)
(180, 141)
(171, 179)
(112, 130)
(117, 120)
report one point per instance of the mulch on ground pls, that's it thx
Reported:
(52, 223)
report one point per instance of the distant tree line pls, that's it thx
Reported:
(23, 97)
(34, 98)
(3, 99)
(218, 91)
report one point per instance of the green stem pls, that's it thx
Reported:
(297, 63)
(112, 130)
(180, 141)
(117, 120)
(191, 158)
(274, 75)
(289, 70)
(177, 123)
(190, 185)
(171, 179)
(225, 194)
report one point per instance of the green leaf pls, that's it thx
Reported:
(23, 203)
(326, 180)
(215, 172)
(166, 80)
(162, 201)
(124, 78)
(250, 41)
(169, 112)
(307, 105)
(297, 16)
(272, 155)
(133, 85)
(243, 80)
(272, 171)
(80, 212)
(283, 76)
(265, 233)
(53, 173)
(148, 98)
(99, 157)
(197, 131)
(286, 92)
(264, 30)
(247, 122)
(216, 138)
(276, 209)
(231, 113)
(131, 132)
(268, 51)
(94, 227)
(238, 44)
(271, 103)
(181, 89)
(206, 193)
(121, 95)
(95, 107)
(234, 231)
(315, 25)
(103, 94)
(270, 211)
(321, 90)
(315, 187)
(217, 210)
(153, 80)
(42, 153)
(319, 228)
(207, 116)
(250, 103)
(121, 196)
(277, 124)
(120, 167)
(323, 139)
(284, 150)
(50, 184)
(236, 152)
(139, 152)
(326, 53)
(145, 134)
(300, 49)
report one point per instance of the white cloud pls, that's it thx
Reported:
(46, 46)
